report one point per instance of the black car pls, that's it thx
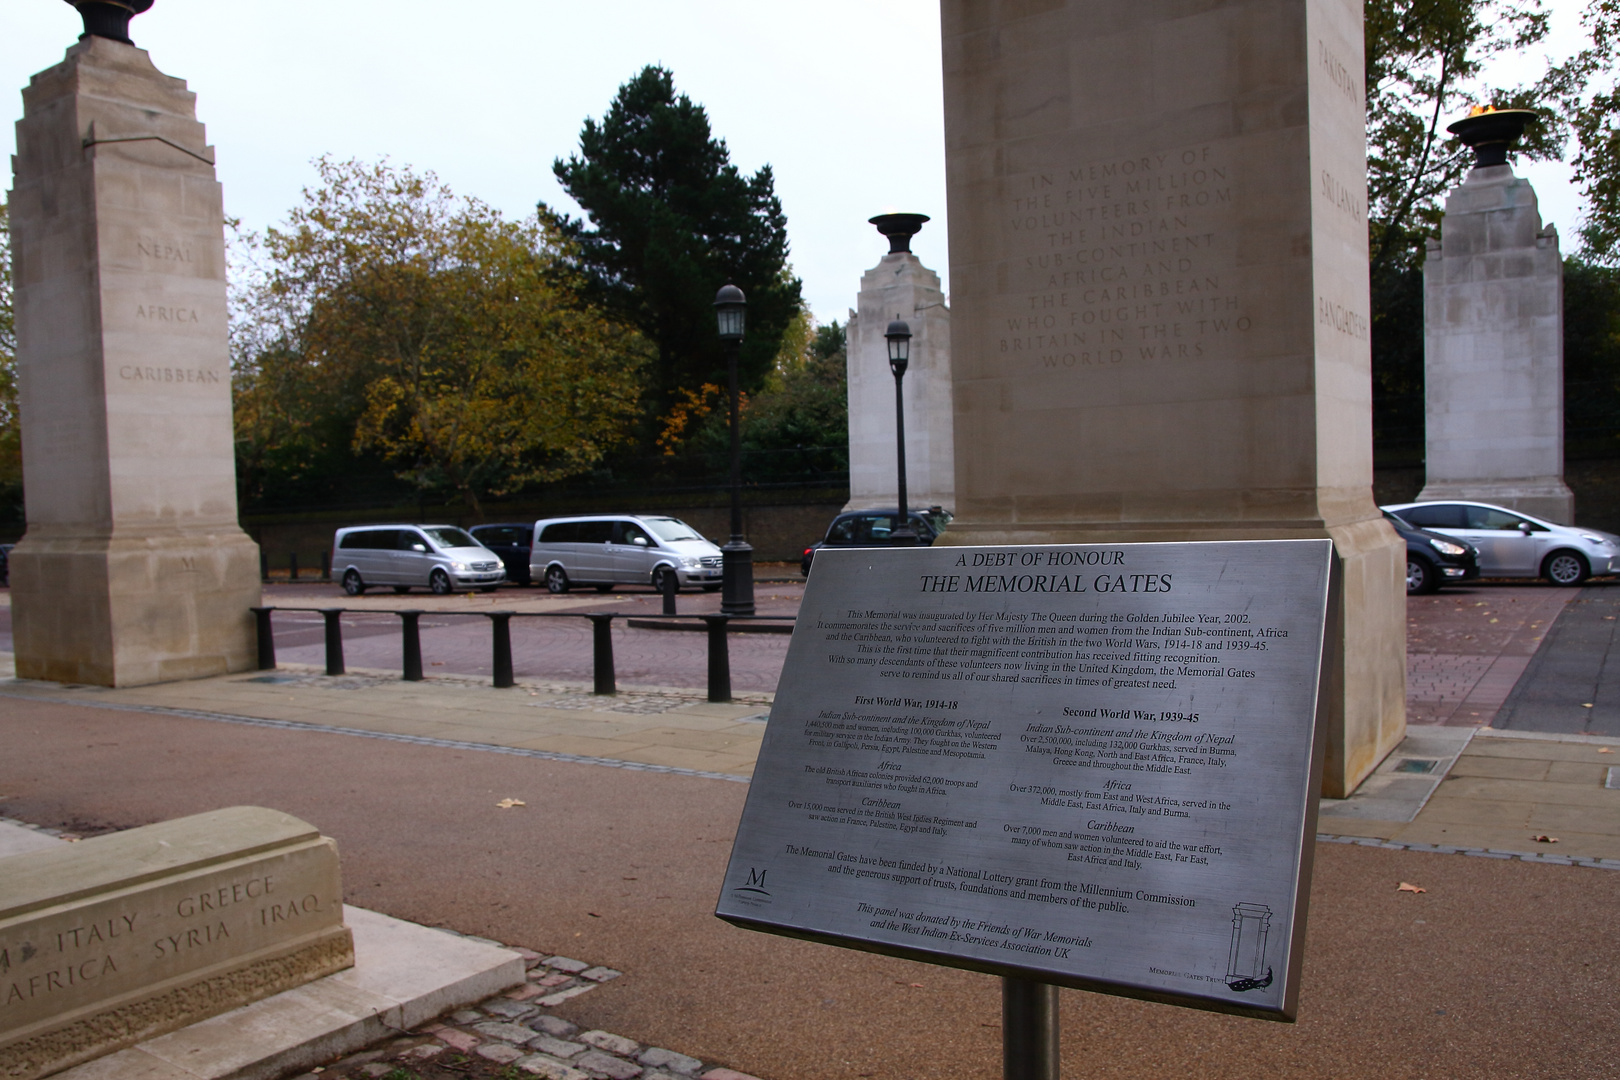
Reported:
(1433, 560)
(872, 528)
(511, 542)
(5, 563)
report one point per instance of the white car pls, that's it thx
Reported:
(622, 549)
(1514, 544)
(438, 557)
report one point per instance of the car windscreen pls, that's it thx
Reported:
(670, 530)
(448, 536)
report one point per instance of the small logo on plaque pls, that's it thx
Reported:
(754, 891)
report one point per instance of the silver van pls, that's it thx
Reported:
(627, 549)
(437, 557)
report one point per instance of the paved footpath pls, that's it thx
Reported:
(1502, 967)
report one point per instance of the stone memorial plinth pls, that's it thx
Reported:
(900, 287)
(121, 937)
(1493, 355)
(1160, 299)
(133, 568)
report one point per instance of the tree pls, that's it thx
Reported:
(671, 221)
(794, 429)
(441, 336)
(1584, 88)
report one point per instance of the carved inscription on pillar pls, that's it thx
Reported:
(1121, 263)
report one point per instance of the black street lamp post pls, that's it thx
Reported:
(899, 338)
(737, 566)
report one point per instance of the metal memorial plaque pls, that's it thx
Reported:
(1096, 766)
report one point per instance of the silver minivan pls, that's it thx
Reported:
(629, 549)
(438, 557)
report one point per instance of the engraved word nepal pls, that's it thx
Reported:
(1107, 582)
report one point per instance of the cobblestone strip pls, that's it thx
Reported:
(1482, 853)
(515, 1030)
(415, 740)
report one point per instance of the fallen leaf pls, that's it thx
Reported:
(1586, 705)
(1604, 750)
(507, 804)
(917, 985)
(1407, 886)
(1545, 839)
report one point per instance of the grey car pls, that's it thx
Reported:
(442, 558)
(629, 549)
(1515, 544)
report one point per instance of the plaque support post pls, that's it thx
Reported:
(411, 645)
(334, 640)
(1029, 1030)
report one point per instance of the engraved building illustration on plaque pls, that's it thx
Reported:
(1246, 967)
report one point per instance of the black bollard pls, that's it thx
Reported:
(292, 566)
(326, 566)
(672, 585)
(264, 566)
(334, 640)
(502, 621)
(719, 658)
(1029, 1030)
(411, 633)
(267, 639)
(602, 653)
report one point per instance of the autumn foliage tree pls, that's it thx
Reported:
(432, 332)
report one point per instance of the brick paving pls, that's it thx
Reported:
(516, 1030)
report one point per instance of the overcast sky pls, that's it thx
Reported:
(840, 97)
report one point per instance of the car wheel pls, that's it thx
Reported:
(1565, 568)
(556, 579)
(402, 589)
(352, 583)
(1421, 577)
(439, 582)
(606, 586)
(662, 578)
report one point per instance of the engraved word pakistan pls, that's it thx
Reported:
(1121, 262)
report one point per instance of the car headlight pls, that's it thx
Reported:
(1598, 540)
(458, 566)
(690, 561)
(1446, 547)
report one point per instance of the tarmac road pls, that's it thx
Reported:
(1500, 969)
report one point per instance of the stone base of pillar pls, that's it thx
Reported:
(1544, 496)
(126, 612)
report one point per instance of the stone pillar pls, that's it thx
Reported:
(1159, 280)
(133, 569)
(1493, 351)
(900, 287)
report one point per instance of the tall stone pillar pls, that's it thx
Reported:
(900, 287)
(1493, 341)
(1159, 287)
(133, 569)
